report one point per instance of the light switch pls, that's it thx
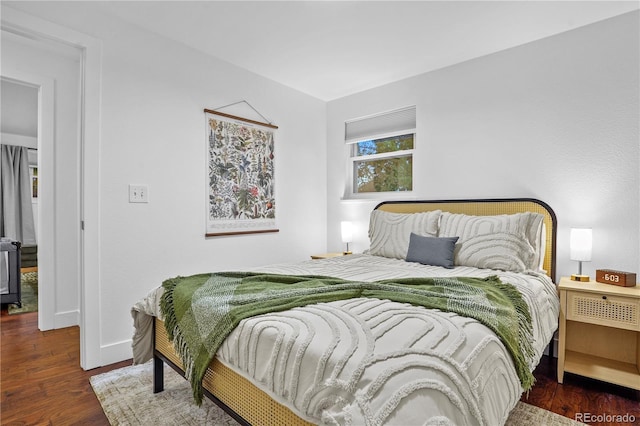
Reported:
(138, 193)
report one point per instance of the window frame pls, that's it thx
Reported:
(354, 158)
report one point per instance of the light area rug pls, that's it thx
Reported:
(29, 294)
(127, 398)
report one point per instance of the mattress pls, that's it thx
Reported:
(370, 361)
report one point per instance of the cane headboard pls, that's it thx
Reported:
(488, 207)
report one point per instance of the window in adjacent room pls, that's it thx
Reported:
(381, 151)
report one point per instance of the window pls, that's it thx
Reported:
(381, 152)
(383, 165)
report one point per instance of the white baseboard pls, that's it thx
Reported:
(116, 352)
(66, 319)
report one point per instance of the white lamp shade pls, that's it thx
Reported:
(347, 231)
(580, 244)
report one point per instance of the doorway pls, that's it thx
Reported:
(88, 267)
(19, 193)
(25, 60)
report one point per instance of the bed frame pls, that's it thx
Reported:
(248, 404)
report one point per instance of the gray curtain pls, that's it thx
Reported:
(15, 195)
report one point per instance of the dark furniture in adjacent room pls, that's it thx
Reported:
(10, 250)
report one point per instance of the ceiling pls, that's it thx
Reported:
(331, 49)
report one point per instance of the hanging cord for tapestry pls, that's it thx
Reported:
(250, 106)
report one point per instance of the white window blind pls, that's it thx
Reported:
(380, 125)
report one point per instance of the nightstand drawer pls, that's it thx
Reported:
(611, 311)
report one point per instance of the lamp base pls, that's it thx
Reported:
(346, 252)
(581, 278)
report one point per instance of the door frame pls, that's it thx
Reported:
(90, 87)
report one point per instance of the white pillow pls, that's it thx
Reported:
(542, 247)
(389, 232)
(506, 242)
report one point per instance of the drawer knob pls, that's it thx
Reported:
(604, 297)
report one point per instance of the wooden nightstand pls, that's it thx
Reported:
(326, 255)
(600, 332)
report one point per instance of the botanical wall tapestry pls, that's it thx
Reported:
(241, 186)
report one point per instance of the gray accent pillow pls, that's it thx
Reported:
(431, 250)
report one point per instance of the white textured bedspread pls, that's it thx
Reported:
(373, 362)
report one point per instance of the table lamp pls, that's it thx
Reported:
(580, 244)
(347, 234)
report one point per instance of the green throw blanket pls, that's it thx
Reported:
(201, 310)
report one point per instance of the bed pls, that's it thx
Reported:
(366, 360)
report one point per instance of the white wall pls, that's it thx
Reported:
(153, 132)
(19, 110)
(154, 92)
(555, 119)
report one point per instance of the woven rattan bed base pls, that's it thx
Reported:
(234, 391)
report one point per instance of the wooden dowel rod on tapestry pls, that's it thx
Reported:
(224, 234)
(235, 117)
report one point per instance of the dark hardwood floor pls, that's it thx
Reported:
(40, 376)
(579, 396)
(42, 383)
